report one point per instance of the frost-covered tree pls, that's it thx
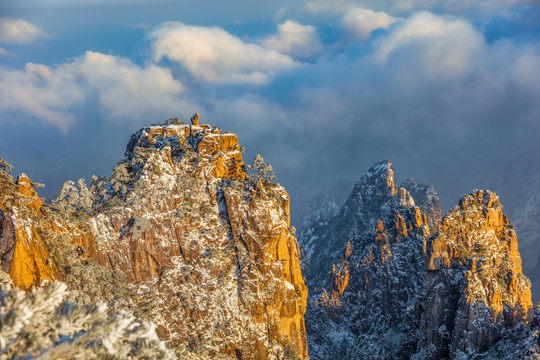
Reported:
(68, 195)
(41, 325)
(74, 198)
(7, 184)
(85, 197)
(98, 188)
(5, 169)
(262, 170)
(121, 178)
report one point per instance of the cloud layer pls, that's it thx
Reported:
(321, 100)
(213, 55)
(301, 42)
(56, 94)
(18, 31)
(360, 22)
(474, 8)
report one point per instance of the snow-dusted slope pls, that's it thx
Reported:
(368, 305)
(526, 219)
(320, 211)
(475, 290)
(527, 222)
(426, 198)
(324, 239)
(183, 236)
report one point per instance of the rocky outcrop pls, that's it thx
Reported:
(426, 198)
(475, 290)
(398, 292)
(372, 197)
(23, 253)
(184, 235)
(369, 306)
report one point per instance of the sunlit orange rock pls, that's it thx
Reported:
(27, 194)
(475, 287)
(211, 247)
(31, 264)
(24, 254)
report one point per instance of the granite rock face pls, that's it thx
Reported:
(23, 253)
(426, 198)
(369, 305)
(185, 236)
(475, 289)
(211, 246)
(409, 285)
(372, 197)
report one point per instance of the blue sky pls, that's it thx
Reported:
(449, 91)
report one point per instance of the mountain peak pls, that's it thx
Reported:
(374, 197)
(474, 268)
(381, 176)
(183, 235)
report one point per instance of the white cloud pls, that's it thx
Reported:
(55, 95)
(18, 31)
(302, 42)
(127, 90)
(431, 80)
(214, 55)
(42, 92)
(360, 22)
(443, 46)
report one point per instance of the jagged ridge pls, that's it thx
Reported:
(398, 293)
(183, 236)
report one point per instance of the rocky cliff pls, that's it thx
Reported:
(369, 306)
(184, 236)
(372, 197)
(474, 289)
(426, 198)
(412, 286)
(23, 253)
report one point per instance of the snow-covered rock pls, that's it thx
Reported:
(474, 290)
(426, 198)
(371, 199)
(409, 285)
(184, 236)
(368, 306)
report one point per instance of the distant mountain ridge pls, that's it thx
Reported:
(392, 294)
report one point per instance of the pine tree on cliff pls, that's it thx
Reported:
(8, 188)
(6, 180)
(263, 171)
